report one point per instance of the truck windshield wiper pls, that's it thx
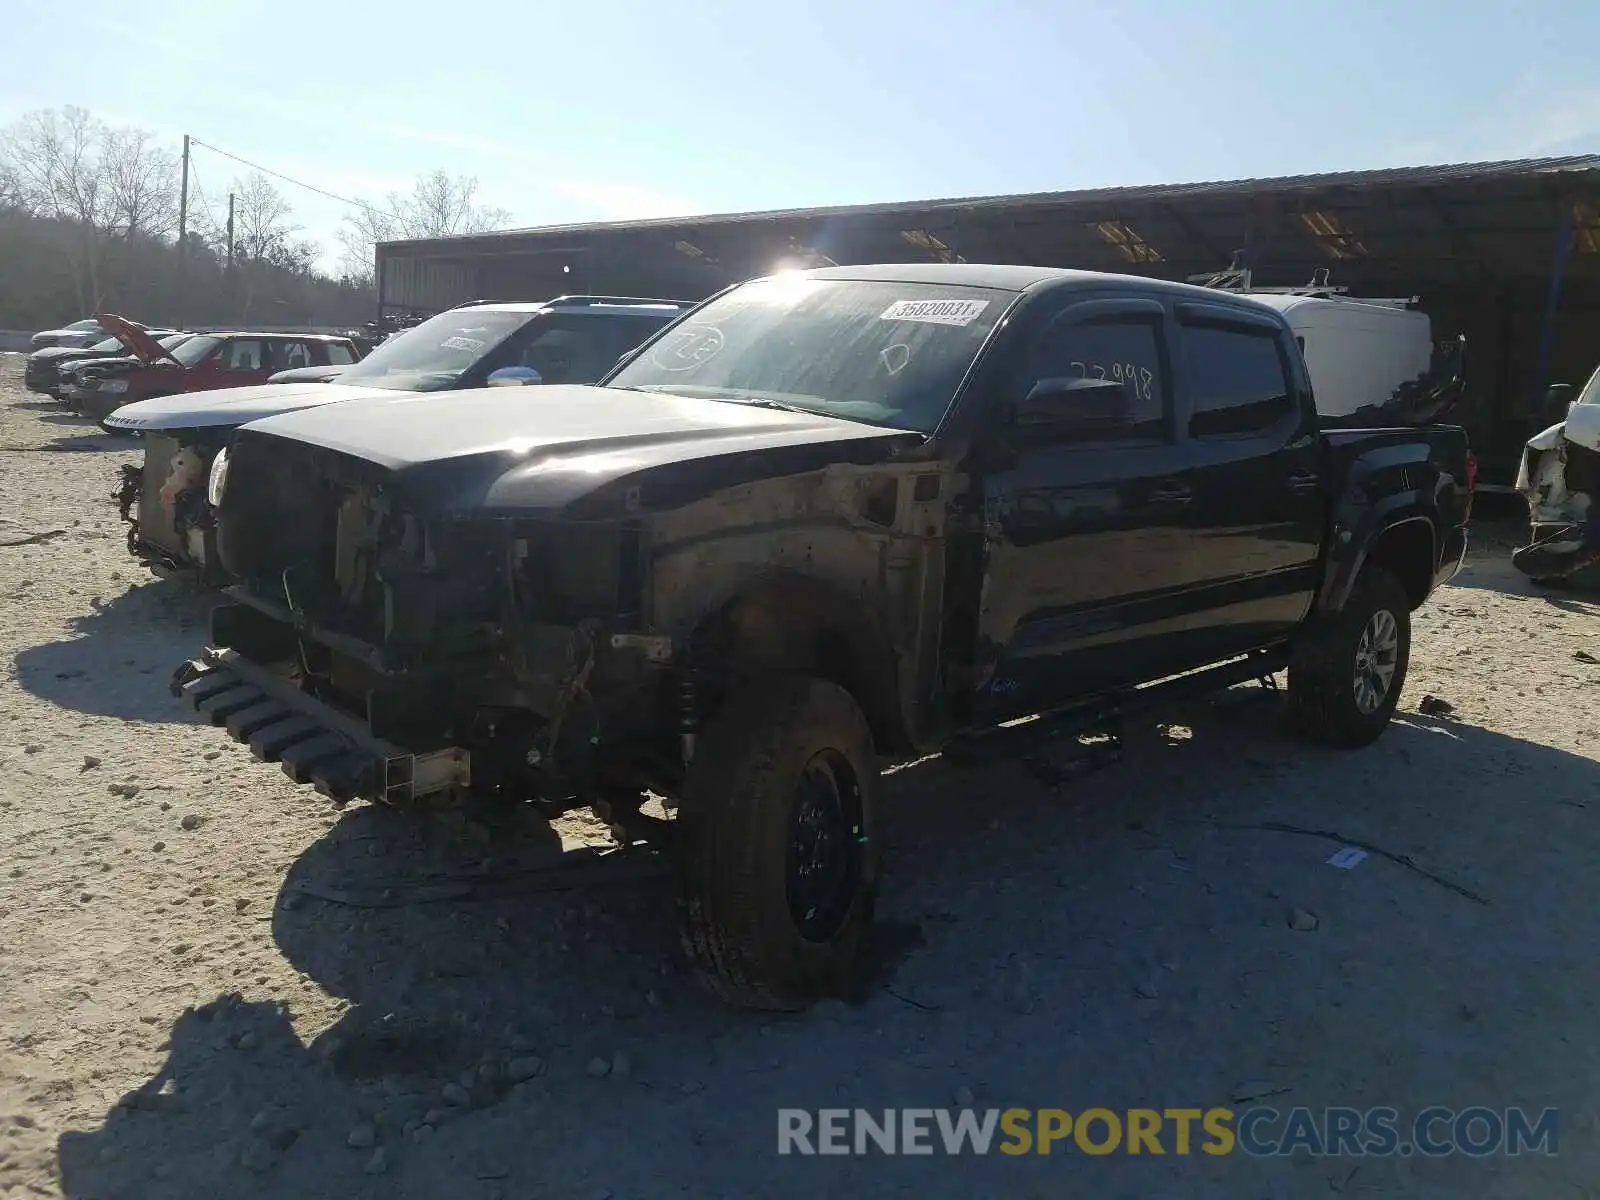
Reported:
(719, 396)
(780, 405)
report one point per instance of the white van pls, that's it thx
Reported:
(1372, 362)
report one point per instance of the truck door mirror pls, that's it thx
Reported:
(1067, 404)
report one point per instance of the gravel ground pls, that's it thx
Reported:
(181, 1016)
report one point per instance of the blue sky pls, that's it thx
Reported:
(634, 108)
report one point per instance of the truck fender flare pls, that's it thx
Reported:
(1351, 547)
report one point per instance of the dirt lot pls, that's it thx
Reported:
(197, 997)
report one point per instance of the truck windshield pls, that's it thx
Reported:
(434, 355)
(195, 349)
(878, 352)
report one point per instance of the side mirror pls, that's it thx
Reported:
(1070, 404)
(514, 377)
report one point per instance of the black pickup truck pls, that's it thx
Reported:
(824, 518)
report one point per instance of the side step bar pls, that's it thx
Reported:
(1025, 735)
(315, 742)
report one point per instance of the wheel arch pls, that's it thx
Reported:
(791, 623)
(1405, 543)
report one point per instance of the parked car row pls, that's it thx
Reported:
(136, 361)
(42, 370)
(730, 554)
(573, 339)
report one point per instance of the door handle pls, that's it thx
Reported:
(1304, 481)
(1171, 493)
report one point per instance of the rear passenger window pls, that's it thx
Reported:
(339, 354)
(241, 354)
(1127, 349)
(1236, 380)
(292, 355)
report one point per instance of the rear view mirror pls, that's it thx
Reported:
(1070, 403)
(514, 377)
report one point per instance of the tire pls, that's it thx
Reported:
(783, 777)
(1325, 702)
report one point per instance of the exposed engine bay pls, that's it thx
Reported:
(163, 500)
(509, 644)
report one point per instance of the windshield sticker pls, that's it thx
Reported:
(687, 348)
(461, 343)
(895, 358)
(935, 312)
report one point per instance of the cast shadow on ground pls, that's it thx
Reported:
(81, 443)
(1051, 914)
(124, 652)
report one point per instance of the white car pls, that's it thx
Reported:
(77, 335)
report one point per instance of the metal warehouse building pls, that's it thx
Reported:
(1507, 253)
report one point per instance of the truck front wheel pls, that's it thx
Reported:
(779, 860)
(1347, 668)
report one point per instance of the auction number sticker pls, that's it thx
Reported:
(935, 312)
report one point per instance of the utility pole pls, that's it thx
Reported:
(183, 228)
(232, 280)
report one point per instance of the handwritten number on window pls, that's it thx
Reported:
(1141, 381)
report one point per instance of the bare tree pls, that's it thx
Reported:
(266, 242)
(102, 184)
(11, 200)
(437, 206)
(141, 183)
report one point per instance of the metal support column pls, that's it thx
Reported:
(1565, 237)
(378, 274)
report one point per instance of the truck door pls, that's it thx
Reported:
(1085, 530)
(1245, 404)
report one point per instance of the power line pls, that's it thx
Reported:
(199, 192)
(297, 182)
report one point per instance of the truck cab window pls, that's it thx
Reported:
(1237, 380)
(1126, 348)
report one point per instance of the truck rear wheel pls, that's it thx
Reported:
(1347, 668)
(779, 859)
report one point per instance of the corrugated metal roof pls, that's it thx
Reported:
(1404, 177)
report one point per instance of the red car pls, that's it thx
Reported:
(204, 362)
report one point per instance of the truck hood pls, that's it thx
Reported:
(545, 447)
(229, 408)
(104, 364)
(139, 341)
(309, 374)
(55, 353)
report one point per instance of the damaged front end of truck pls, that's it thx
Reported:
(465, 622)
(1559, 477)
(457, 649)
(162, 500)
